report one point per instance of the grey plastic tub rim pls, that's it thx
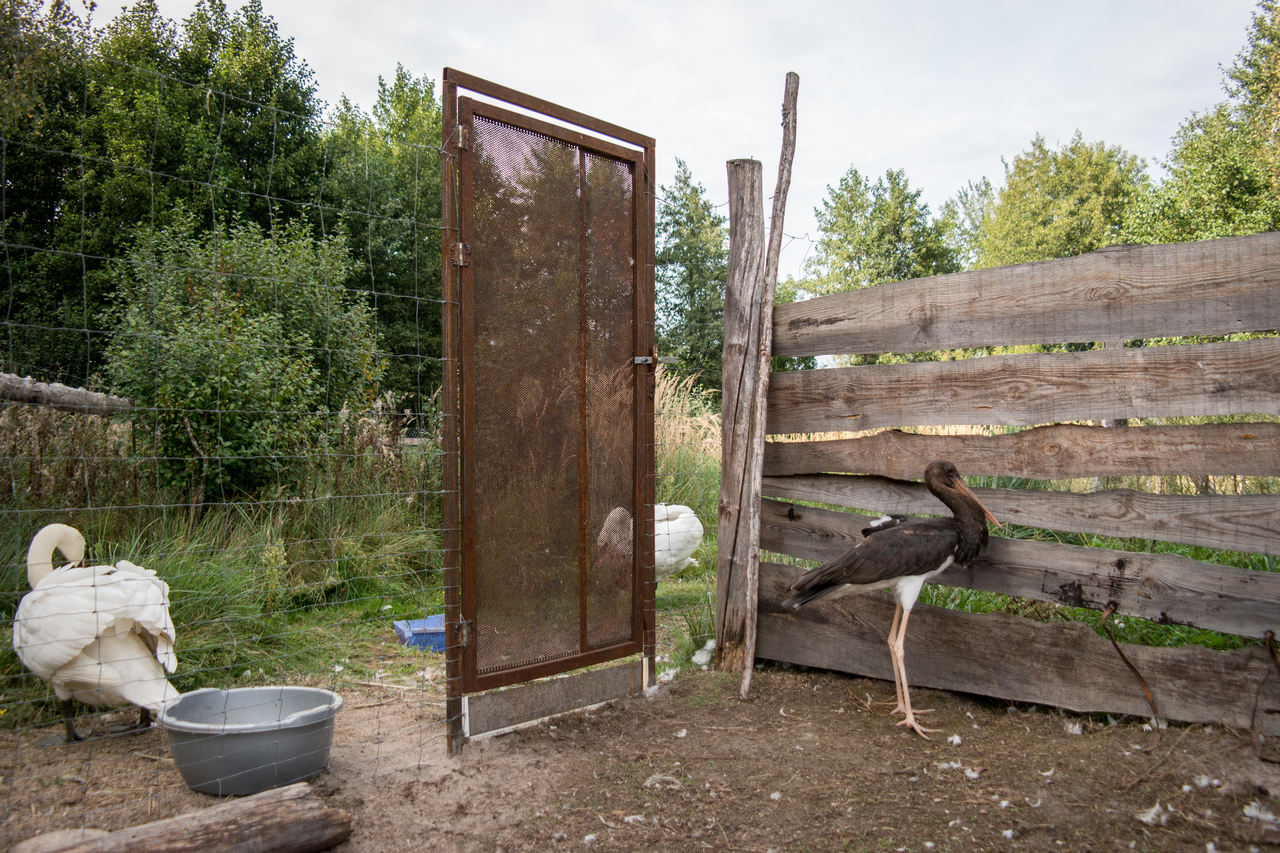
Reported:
(297, 719)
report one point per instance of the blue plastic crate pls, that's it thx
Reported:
(422, 633)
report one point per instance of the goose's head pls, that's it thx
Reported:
(59, 537)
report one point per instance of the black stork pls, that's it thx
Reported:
(901, 554)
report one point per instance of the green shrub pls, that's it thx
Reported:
(237, 347)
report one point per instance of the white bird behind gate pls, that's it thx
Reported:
(101, 635)
(677, 533)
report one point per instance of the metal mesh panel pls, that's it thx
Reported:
(553, 421)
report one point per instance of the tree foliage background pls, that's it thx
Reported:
(693, 261)
(202, 143)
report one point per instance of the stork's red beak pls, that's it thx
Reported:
(963, 488)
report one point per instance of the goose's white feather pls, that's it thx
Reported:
(677, 533)
(98, 634)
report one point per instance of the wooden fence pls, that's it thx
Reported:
(1049, 406)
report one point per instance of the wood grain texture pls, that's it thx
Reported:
(1058, 452)
(1023, 390)
(746, 313)
(1212, 287)
(1164, 588)
(291, 819)
(54, 395)
(763, 355)
(1065, 665)
(1234, 522)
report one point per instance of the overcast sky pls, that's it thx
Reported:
(940, 89)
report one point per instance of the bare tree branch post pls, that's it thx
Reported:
(26, 391)
(748, 318)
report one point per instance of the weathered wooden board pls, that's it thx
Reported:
(1058, 452)
(1213, 287)
(1160, 587)
(1066, 665)
(1023, 390)
(747, 326)
(500, 709)
(1235, 522)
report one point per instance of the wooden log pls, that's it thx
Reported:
(738, 521)
(1066, 665)
(1234, 522)
(1165, 588)
(54, 395)
(764, 356)
(1023, 390)
(1058, 452)
(1212, 287)
(291, 819)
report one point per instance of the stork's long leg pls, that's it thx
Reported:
(893, 656)
(896, 649)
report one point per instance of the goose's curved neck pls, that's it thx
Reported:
(59, 537)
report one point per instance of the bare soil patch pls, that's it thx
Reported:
(812, 762)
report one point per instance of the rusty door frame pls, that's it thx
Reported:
(455, 284)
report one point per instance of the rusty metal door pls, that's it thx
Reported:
(554, 346)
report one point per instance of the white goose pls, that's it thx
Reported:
(97, 634)
(677, 533)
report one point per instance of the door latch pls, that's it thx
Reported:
(662, 359)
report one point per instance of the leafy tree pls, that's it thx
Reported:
(382, 192)
(36, 45)
(692, 267)
(143, 119)
(1059, 203)
(1224, 170)
(236, 347)
(875, 233)
(965, 216)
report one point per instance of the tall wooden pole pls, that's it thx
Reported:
(748, 337)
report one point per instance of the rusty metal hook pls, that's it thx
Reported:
(1155, 714)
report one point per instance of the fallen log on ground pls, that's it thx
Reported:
(283, 820)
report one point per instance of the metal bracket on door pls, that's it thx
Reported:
(663, 359)
(460, 254)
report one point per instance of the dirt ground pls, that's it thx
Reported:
(813, 761)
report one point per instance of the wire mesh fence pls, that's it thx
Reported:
(257, 284)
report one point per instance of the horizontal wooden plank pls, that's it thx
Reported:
(1057, 452)
(1022, 390)
(500, 709)
(1066, 665)
(1164, 588)
(1235, 522)
(1214, 287)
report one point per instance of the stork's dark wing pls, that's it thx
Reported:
(884, 522)
(911, 546)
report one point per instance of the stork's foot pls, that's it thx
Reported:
(916, 727)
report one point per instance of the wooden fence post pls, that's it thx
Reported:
(748, 334)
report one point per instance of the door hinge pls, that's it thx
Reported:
(463, 634)
(460, 254)
(464, 137)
